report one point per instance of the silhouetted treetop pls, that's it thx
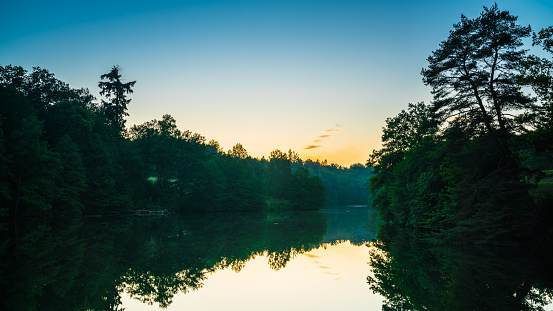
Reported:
(115, 90)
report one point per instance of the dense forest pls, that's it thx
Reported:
(476, 164)
(63, 152)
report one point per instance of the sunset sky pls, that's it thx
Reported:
(318, 77)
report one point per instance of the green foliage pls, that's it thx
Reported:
(279, 175)
(238, 151)
(407, 179)
(34, 167)
(451, 182)
(62, 153)
(243, 190)
(449, 168)
(308, 192)
(189, 175)
(71, 179)
(544, 38)
(538, 134)
(55, 154)
(159, 143)
(475, 73)
(344, 186)
(5, 176)
(312, 184)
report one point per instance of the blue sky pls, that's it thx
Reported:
(266, 74)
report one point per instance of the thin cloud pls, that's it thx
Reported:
(312, 147)
(325, 134)
(332, 130)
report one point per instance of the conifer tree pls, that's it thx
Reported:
(115, 90)
(474, 74)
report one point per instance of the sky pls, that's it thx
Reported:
(318, 77)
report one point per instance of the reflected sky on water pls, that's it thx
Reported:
(251, 261)
(331, 277)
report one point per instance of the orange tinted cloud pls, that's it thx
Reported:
(312, 256)
(328, 131)
(312, 147)
(326, 134)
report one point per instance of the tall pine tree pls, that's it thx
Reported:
(115, 90)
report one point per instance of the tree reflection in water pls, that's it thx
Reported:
(87, 264)
(412, 274)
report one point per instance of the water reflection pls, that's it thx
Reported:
(330, 277)
(113, 263)
(71, 264)
(412, 274)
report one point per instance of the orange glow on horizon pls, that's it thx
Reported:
(345, 155)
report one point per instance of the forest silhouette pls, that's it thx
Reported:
(62, 152)
(475, 165)
(454, 179)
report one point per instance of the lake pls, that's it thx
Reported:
(326, 260)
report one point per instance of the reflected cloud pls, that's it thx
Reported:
(312, 256)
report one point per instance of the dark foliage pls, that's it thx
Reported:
(75, 263)
(466, 167)
(411, 273)
(61, 153)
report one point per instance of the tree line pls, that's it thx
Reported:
(63, 152)
(475, 164)
(344, 186)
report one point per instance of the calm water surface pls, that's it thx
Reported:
(325, 269)
(244, 261)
